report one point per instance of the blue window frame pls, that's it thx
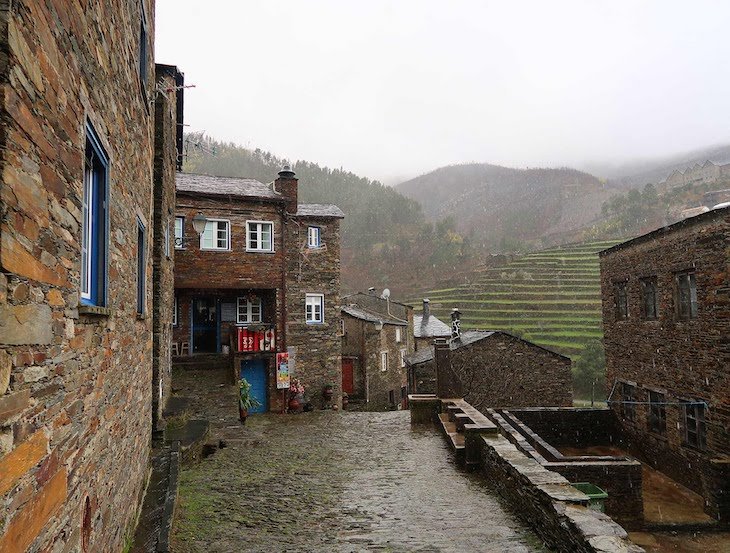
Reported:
(95, 222)
(143, 47)
(141, 267)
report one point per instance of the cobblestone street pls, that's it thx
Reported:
(329, 481)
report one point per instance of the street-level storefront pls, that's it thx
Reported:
(206, 320)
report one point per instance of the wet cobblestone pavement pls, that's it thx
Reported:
(329, 481)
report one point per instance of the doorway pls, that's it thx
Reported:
(205, 325)
(348, 379)
(254, 371)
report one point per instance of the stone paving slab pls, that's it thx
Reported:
(332, 481)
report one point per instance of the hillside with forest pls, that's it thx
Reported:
(387, 242)
(506, 209)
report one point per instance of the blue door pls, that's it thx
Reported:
(254, 371)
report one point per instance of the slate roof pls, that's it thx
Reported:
(431, 327)
(225, 186)
(420, 356)
(469, 337)
(319, 210)
(369, 316)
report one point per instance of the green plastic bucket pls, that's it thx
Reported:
(596, 496)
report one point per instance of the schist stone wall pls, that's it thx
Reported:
(318, 348)
(681, 359)
(380, 388)
(75, 383)
(501, 370)
(282, 278)
(168, 78)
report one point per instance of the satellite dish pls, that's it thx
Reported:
(386, 294)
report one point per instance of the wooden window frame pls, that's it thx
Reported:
(141, 268)
(259, 227)
(621, 299)
(179, 240)
(649, 290)
(657, 413)
(316, 233)
(215, 247)
(250, 310)
(312, 320)
(693, 419)
(95, 222)
(686, 304)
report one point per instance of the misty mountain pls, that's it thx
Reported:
(501, 206)
(637, 173)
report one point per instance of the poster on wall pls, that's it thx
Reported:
(282, 371)
(292, 351)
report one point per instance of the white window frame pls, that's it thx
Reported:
(166, 245)
(398, 335)
(174, 311)
(383, 361)
(86, 232)
(250, 313)
(258, 232)
(314, 237)
(215, 240)
(181, 244)
(316, 299)
(402, 357)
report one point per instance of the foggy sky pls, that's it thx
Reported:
(392, 89)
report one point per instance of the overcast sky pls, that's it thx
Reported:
(392, 89)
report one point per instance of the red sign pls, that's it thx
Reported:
(256, 340)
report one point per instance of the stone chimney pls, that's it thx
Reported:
(426, 308)
(448, 384)
(286, 185)
(455, 323)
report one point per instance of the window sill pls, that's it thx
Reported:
(260, 251)
(215, 250)
(315, 323)
(97, 310)
(661, 437)
(694, 449)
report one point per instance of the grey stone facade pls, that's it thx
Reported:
(373, 327)
(496, 369)
(75, 379)
(673, 355)
(281, 278)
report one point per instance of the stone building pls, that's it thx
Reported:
(493, 369)
(377, 335)
(428, 327)
(82, 113)
(698, 174)
(262, 277)
(666, 324)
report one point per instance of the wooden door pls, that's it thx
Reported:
(348, 381)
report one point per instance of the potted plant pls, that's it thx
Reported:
(329, 391)
(296, 395)
(245, 400)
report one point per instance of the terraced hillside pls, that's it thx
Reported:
(551, 297)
